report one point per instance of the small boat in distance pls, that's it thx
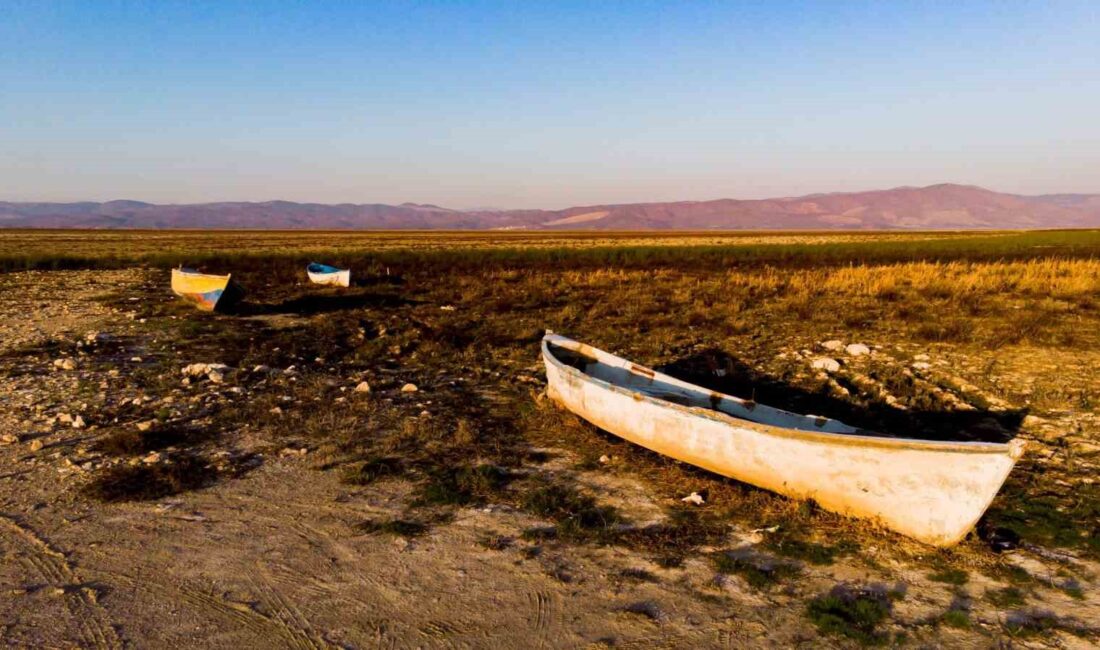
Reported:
(325, 274)
(208, 292)
(929, 490)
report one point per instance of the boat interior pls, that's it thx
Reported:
(638, 379)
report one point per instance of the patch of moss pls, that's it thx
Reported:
(578, 516)
(463, 485)
(371, 470)
(397, 527)
(958, 618)
(950, 576)
(852, 614)
(1006, 597)
(758, 572)
(148, 482)
(812, 552)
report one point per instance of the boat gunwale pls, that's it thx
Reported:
(1013, 448)
(192, 273)
(335, 270)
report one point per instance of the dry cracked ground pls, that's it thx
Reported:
(176, 479)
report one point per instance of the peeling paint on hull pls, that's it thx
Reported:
(928, 490)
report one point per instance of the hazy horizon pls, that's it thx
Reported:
(504, 106)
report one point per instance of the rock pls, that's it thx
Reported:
(78, 422)
(200, 369)
(832, 345)
(605, 459)
(135, 359)
(694, 498)
(290, 370)
(447, 307)
(9, 439)
(215, 376)
(826, 364)
(151, 458)
(362, 387)
(275, 410)
(921, 357)
(36, 445)
(409, 388)
(65, 364)
(857, 350)
(261, 368)
(144, 425)
(921, 365)
(64, 418)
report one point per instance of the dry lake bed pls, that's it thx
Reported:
(378, 466)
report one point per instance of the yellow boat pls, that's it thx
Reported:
(208, 292)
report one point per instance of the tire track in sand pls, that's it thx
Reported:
(36, 555)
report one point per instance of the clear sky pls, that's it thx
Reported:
(551, 104)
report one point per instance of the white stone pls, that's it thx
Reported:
(826, 364)
(78, 422)
(694, 498)
(362, 387)
(857, 349)
(832, 345)
(921, 365)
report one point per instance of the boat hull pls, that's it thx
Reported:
(931, 491)
(339, 278)
(207, 292)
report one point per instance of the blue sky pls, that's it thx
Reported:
(520, 104)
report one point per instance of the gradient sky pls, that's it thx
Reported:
(523, 104)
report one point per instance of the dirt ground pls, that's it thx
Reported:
(277, 556)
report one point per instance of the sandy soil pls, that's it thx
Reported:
(274, 559)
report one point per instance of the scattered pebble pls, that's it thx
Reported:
(362, 387)
(832, 345)
(409, 388)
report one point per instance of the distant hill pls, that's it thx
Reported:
(945, 206)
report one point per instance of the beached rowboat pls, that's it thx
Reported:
(325, 274)
(208, 292)
(931, 491)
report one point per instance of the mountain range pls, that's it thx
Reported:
(946, 207)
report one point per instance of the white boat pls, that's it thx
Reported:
(929, 490)
(325, 274)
